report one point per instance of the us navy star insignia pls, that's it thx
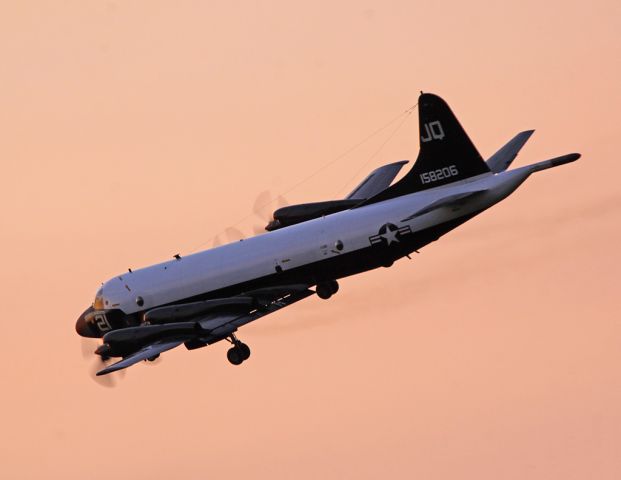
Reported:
(389, 233)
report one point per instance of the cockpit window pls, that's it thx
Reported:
(98, 304)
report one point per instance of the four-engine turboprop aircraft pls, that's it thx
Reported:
(200, 299)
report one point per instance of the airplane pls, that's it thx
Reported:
(203, 298)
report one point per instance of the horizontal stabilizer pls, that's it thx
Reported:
(451, 201)
(503, 158)
(144, 353)
(377, 181)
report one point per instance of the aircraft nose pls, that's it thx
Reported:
(84, 327)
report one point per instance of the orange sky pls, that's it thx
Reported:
(131, 131)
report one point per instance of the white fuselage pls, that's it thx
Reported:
(297, 245)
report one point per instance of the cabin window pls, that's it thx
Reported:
(98, 303)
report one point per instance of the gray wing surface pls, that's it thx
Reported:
(147, 351)
(502, 159)
(224, 326)
(377, 181)
(205, 328)
(451, 201)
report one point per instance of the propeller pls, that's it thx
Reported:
(263, 208)
(231, 234)
(97, 363)
(264, 205)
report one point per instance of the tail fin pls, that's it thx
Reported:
(446, 152)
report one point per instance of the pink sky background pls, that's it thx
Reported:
(131, 131)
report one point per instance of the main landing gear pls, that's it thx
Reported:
(239, 352)
(325, 290)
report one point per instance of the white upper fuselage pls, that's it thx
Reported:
(297, 245)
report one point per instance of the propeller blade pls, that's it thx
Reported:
(281, 202)
(88, 347)
(263, 206)
(258, 229)
(97, 363)
(233, 234)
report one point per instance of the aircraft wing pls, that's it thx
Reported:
(218, 326)
(451, 201)
(147, 351)
(214, 320)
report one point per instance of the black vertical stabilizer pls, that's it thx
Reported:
(446, 152)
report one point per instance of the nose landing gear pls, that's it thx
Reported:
(239, 352)
(325, 290)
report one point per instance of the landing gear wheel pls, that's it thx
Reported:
(323, 291)
(238, 352)
(244, 350)
(326, 289)
(234, 356)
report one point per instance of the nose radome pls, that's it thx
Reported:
(85, 328)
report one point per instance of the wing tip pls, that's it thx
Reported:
(105, 371)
